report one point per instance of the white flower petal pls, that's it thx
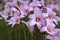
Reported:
(43, 29)
(39, 25)
(31, 22)
(13, 25)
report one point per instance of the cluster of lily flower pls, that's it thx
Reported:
(43, 15)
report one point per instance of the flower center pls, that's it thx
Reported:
(49, 16)
(37, 19)
(33, 7)
(8, 12)
(17, 20)
(26, 10)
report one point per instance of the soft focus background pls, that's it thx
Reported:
(18, 32)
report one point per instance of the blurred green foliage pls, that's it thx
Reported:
(18, 32)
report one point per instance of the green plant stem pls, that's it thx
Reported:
(43, 37)
(25, 35)
(24, 32)
(31, 36)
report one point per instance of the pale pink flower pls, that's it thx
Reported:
(14, 20)
(24, 8)
(6, 12)
(35, 19)
(55, 36)
(36, 3)
(51, 15)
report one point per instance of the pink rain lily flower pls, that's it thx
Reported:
(35, 19)
(55, 36)
(48, 28)
(14, 20)
(51, 16)
(36, 3)
(24, 8)
(6, 12)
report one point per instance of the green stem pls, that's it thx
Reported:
(19, 31)
(24, 32)
(42, 36)
(31, 36)
(45, 36)
(10, 35)
(25, 35)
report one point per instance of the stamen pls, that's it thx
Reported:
(8, 13)
(37, 19)
(26, 10)
(49, 16)
(17, 19)
(33, 7)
